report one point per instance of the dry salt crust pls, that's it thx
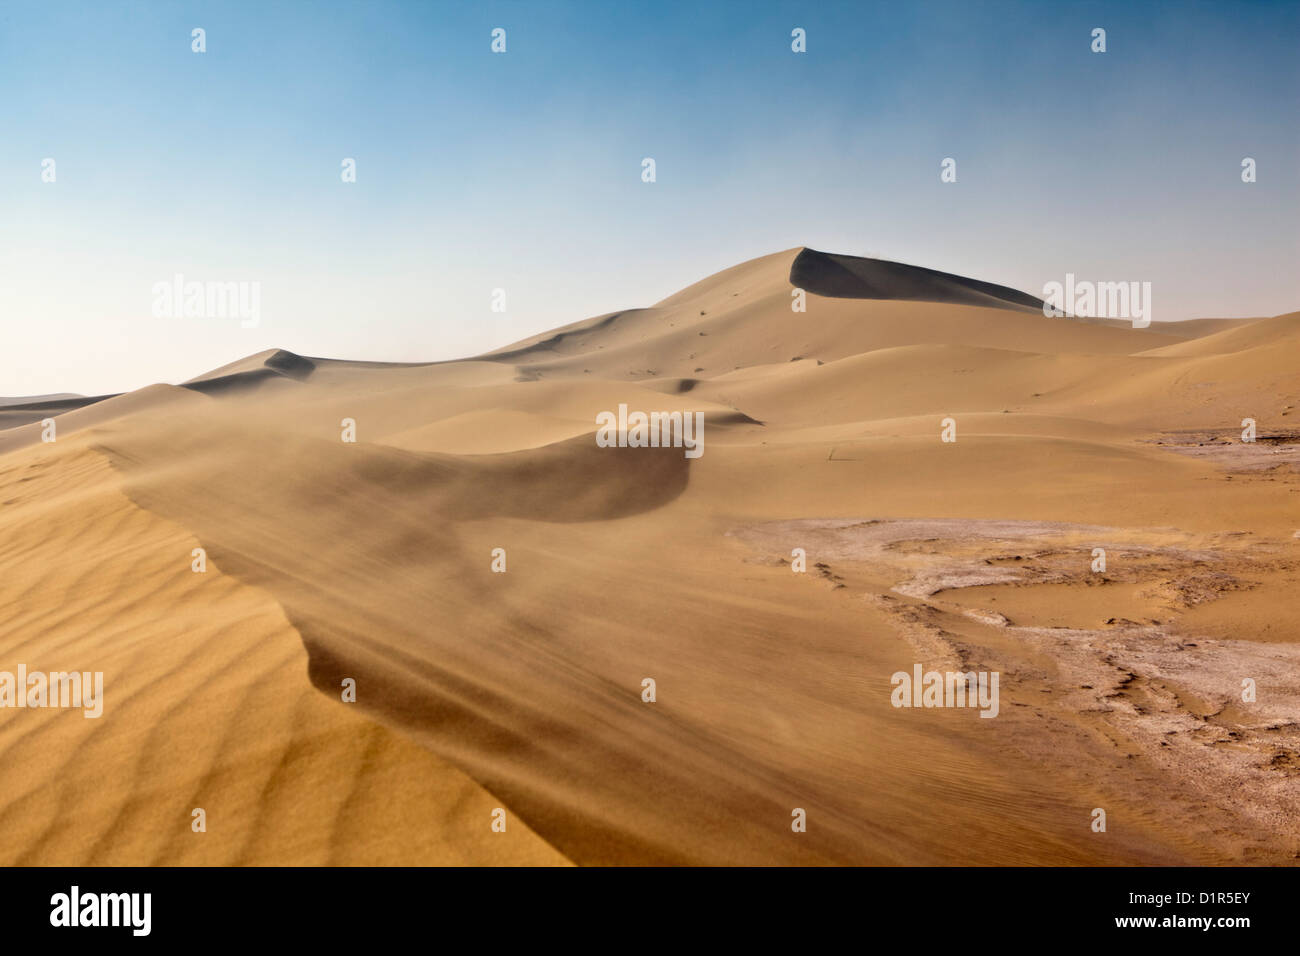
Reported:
(1171, 700)
(1183, 700)
(1269, 451)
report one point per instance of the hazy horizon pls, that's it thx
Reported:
(522, 170)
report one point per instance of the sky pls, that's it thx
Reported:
(522, 171)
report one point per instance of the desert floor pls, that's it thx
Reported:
(475, 690)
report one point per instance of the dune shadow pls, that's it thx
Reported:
(850, 277)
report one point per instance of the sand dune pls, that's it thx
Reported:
(39, 399)
(373, 560)
(35, 408)
(206, 706)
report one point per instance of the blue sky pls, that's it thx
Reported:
(521, 170)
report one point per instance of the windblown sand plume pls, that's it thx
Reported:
(500, 585)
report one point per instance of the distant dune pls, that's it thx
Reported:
(39, 399)
(34, 408)
(479, 691)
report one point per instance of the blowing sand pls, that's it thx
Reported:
(522, 691)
